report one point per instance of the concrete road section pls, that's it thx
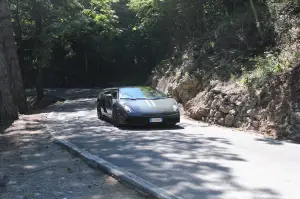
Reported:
(193, 160)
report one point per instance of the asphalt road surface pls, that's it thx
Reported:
(193, 160)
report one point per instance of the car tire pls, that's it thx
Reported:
(99, 112)
(115, 118)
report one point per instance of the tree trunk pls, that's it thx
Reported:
(10, 50)
(19, 40)
(256, 19)
(8, 110)
(39, 68)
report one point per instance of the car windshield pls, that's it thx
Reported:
(141, 93)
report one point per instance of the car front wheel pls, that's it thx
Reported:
(115, 118)
(99, 112)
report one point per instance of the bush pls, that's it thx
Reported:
(266, 66)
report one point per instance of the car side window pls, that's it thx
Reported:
(106, 93)
(114, 94)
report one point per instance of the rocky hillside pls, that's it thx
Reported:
(272, 109)
(265, 98)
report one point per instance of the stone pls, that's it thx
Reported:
(189, 82)
(218, 114)
(244, 99)
(186, 94)
(233, 98)
(213, 83)
(215, 103)
(199, 113)
(229, 119)
(216, 90)
(209, 103)
(211, 113)
(232, 112)
(208, 97)
(255, 124)
(238, 124)
(271, 125)
(239, 103)
(249, 127)
(203, 111)
(274, 133)
(225, 109)
(263, 114)
(221, 121)
(20, 197)
(252, 113)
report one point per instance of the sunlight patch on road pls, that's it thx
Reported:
(29, 166)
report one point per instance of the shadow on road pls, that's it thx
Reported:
(270, 141)
(187, 164)
(150, 128)
(32, 166)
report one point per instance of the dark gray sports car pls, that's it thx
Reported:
(137, 106)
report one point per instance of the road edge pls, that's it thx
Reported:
(116, 172)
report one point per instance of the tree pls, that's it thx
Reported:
(8, 109)
(12, 59)
(48, 25)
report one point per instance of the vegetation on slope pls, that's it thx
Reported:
(88, 42)
(84, 43)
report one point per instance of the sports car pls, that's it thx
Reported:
(137, 106)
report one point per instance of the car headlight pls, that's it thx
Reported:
(175, 108)
(127, 109)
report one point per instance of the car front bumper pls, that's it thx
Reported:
(132, 119)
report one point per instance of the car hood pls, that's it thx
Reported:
(150, 106)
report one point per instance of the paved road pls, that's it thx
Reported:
(194, 160)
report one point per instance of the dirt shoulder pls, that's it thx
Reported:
(32, 166)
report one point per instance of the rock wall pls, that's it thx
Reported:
(272, 110)
(293, 129)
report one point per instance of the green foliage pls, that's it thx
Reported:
(96, 40)
(219, 35)
(266, 67)
(62, 20)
